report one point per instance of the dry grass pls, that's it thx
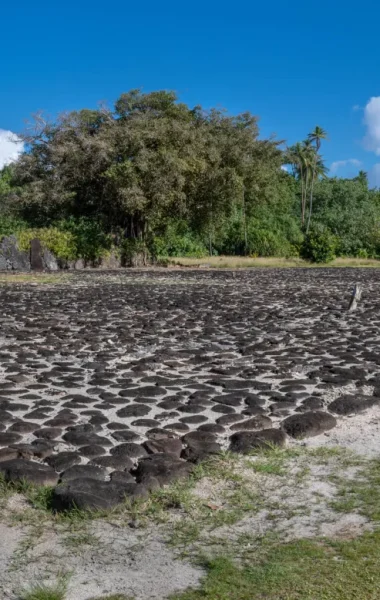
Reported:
(241, 262)
(34, 278)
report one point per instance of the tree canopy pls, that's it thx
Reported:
(181, 179)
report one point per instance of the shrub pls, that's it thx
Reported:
(319, 245)
(91, 241)
(178, 240)
(60, 243)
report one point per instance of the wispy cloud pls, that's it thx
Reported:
(372, 123)
(339, 164)
(356, 107)
(10, 147)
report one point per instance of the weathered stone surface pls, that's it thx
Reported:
(11, 257)
(8, 454)
(165, 468)
(92, 494)
(128, 450)
(32, 472)
(36, 262)
(245, 441)
(168, 446)
(9, 438)
(113, 462)
(350, 404)
(63, 460)
(256, 423)
(308, 424)
(84, 471)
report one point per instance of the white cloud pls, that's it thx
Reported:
(285, 168)
(10, 147)
(372, 122)
(338, 164)
(356, 107)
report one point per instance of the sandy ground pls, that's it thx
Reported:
(138, 562)
(359, 433)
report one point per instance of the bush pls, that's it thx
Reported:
(60, 243)
(319, 245)
(178, 240)
(91, 242)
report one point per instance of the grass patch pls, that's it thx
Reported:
(361, 494)
(243, 262)
(34, 278)
(40, 591)
(76, 541)
(302, 570)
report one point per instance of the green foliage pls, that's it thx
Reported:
(319, 245)
(5, 180)
(10, 225)
(40, 591)
(91, 241)
(178, 240)
(301, 570)
(133, 252)
(154, 177)
(60, 243)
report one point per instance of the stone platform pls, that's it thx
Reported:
(113, 384)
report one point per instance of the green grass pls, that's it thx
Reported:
(40, 591)
(302, 570)
(360, 494)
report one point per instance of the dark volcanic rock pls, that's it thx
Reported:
(92, 494)
(165, 446)
(24, 470)
(165, 468)
(36, 262)
(347, 405)
(84, 471)
(63, 460)
(308, 424)
(245, 441)
(259, 422)
(199, 445)
(129, 450)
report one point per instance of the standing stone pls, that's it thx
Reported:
(36, 254)
(11, 257)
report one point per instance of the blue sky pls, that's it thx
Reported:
(294, 64)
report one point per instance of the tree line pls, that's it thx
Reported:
(155, 175)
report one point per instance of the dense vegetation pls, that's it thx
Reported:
(155, 177)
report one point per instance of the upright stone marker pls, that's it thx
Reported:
(356, 296)
(36, 252)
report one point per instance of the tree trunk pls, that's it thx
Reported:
(303, 198)
(245, 226)
(311, 199)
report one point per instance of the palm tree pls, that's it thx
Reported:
(297, 157)
(316, 136)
